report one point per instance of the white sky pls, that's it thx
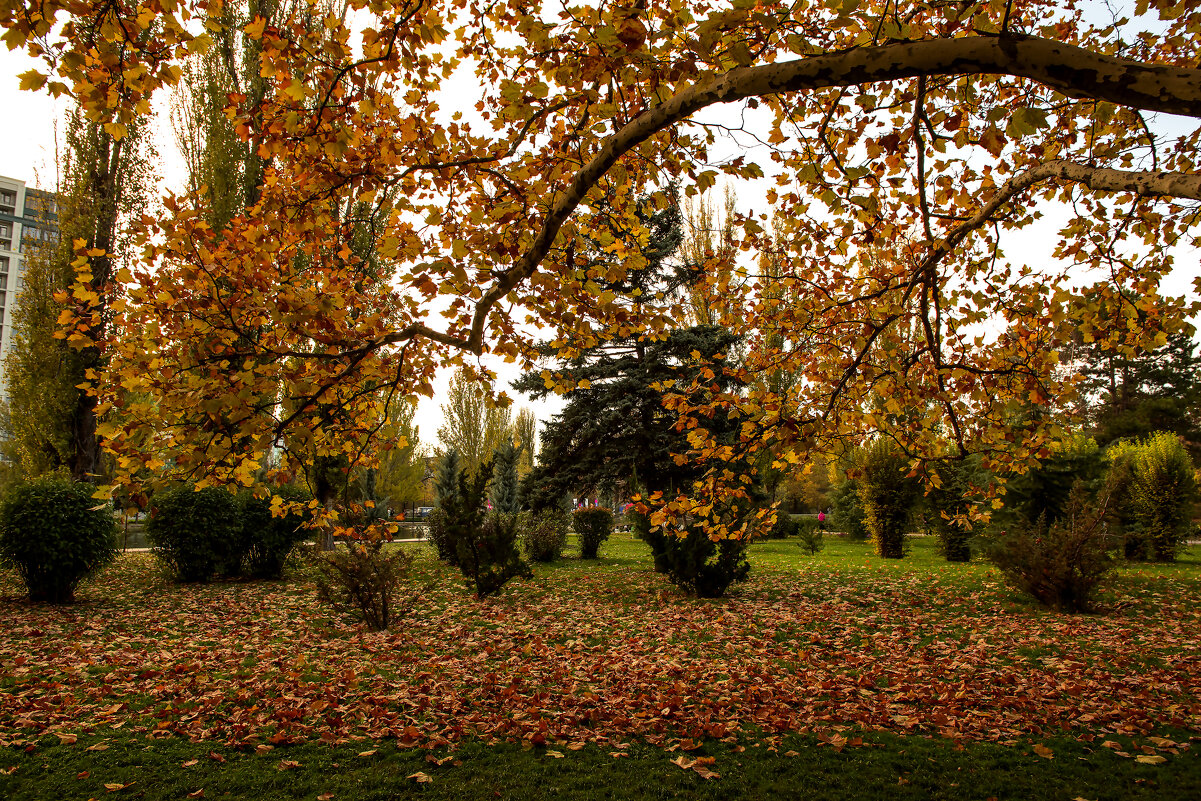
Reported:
(27, 152)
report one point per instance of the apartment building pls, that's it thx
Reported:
(28, 218)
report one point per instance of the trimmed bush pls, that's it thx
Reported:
(1155, 491)
(948, 501)
(847, 514)
(784, 527)
(693, 562)
(196, 533)
(1061, 564)
(888, 496)
(362, 579)
(267, 541)
(55, 534)
(543, 534)
(593, 526)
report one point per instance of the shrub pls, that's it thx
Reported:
(267, 541)
(887, 494)
(1063, 563)
(362, 579)
(1155, 491)
(488, 556)
(53, 534)
(195, 533)
(543, 534)
(847, 515)
(949, 501)
(447, 490)
(593, 526)
(784, 527)
(810, 533)
(692, 561)
(1045, 490)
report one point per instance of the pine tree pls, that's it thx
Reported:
(503, 490)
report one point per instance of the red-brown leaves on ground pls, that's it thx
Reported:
(602, 656)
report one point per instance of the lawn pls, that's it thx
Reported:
(821, 677)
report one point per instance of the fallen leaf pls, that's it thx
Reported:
(83, 774)
(287, 764)
(421, 778)
(97, 747)
(1150, 760)
(683, 762)
(198, 794)
(264, 749)
(1043, 751)
(67, 739)
(325, 797)
(113, 787)
(555, 754)
(368, 753)
(190, 763)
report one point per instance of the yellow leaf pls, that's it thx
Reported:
(1155, 759)
(1044, 752)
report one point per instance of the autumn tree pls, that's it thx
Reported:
(525, 436)
(473, 426)
(943, 125)
(49, 422)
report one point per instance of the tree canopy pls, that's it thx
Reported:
(908, 144)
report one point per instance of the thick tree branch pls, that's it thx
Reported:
(1071, 70)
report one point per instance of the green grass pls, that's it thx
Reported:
(801, 767)
(948, 677)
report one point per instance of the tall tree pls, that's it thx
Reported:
(1128, 394)
(525, 436)
(957, 121)
(473, 425)
(49, 421)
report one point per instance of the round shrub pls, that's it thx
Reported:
(55, 534)
(196, 533)
(784, 527)
(266, 541)
(543, 534)
(593, 525)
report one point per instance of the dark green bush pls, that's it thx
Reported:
(950, 501)
(593, 526)
(888, 495)
(1061, 564)
(693, 562)
(847, 516)
(543, 534)
(362, 579)
(784, 527)
(438, 533)
(810, 533)
(267, 541)
(196, 533)
(488, 556)
(55, 534)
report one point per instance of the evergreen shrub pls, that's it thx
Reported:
(1061, 564)
(593, 526)
(55, 534)
(693, 562)
(267, 541)
(888, 496)
(196, 533)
